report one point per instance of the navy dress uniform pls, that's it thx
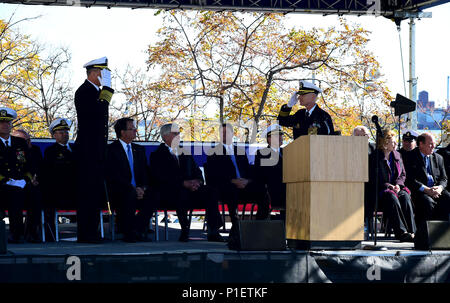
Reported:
(408, 137)
(269, 171)
(14, 174)
(316, 121)
(59, 175)
(92, 105)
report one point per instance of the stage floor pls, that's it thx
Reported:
(200, 261)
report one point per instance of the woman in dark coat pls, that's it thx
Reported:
(394, 197)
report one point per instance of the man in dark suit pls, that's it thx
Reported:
(91, 104)
(180, 185)
(59, 175)
(427, 180)
(127, 182)
(269, 169)
(311, 120)
(445, 153)
(33, 190)
(229, 172)
(15, 174)
(369, 200)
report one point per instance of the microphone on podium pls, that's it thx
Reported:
(377, 125)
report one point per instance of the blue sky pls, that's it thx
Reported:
(123, 35)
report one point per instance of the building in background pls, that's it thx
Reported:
(428, 116)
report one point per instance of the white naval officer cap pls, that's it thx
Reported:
(7, 114)
(97, 63)
(59, 124)
(273, 129)
(306, 87)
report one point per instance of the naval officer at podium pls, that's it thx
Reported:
(311, 120)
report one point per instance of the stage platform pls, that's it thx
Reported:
(200, 261)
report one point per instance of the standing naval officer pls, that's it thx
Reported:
(311, 120)
(91, 103)
(14, 175)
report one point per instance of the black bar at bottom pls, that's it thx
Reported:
(313, 245)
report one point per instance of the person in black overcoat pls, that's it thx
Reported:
(92, 104)
(311, 120)
(408, 143)
(33, 190)
(127, 182)
(269, 169)
(180, 184)
(59, 178)
(427, 180)
(394, 196)
(15, 175)
(234, 184)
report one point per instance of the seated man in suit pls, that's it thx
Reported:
(127, 182)
(58, 174)
(427, 180)
(269, 168)
(180, 185)
(229, 172)
(15, 174)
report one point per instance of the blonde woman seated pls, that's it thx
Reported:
(394, 197)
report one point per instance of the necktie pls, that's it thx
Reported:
(130, 161)
(307, 114)
(233, 159)
(429, 173)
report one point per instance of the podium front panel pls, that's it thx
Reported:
(325, 211)
(326, 158)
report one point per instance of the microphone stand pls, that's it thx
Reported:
(377, 171)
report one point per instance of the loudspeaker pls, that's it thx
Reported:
(433, 235)
(257, 235)
(3, 240)
(403, 105)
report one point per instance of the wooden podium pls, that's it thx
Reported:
(325, 178)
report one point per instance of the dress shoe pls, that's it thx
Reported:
(184, 237)
(143, 237)
(215, 238)
(406, 237)
(90, 240)
(130, 238)
(16, 240)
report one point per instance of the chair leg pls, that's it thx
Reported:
(156, 227)
(102, 232)
(112, 225)
(42, 226)
(56, 227)
(166, 220)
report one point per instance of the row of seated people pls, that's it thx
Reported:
(412, 182)
(173, 180)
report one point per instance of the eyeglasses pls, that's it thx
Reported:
(133, 129)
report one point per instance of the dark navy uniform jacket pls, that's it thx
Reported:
(318, 123)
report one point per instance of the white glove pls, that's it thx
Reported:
(105, 79)
(293, 100)
(17, 183)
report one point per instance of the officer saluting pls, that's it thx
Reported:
(91, 103)
(310, 120)
(14, 174)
